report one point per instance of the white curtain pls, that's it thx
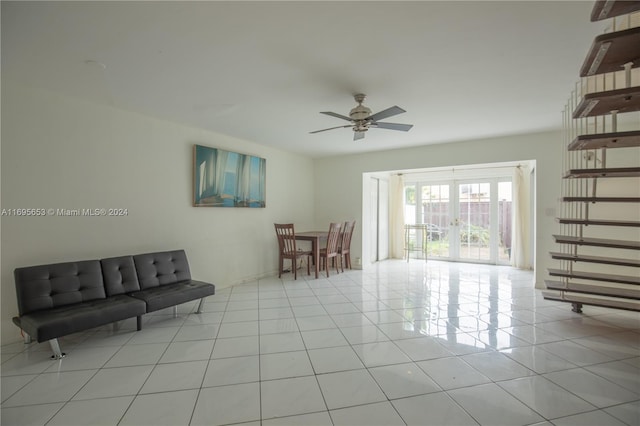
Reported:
(521, 222)
(396, 217)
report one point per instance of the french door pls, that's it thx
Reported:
(466, 220)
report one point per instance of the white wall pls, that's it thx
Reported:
(339, 181)
(58, 152)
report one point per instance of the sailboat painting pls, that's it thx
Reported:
(227, 179)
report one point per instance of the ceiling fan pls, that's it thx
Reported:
(362, 120)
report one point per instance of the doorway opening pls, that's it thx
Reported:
(469, 213)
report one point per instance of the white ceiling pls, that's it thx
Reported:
(262, 71)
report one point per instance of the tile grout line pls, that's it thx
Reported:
(215, 340)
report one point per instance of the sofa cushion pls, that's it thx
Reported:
(161, 268)
(119, 275)
(174, 294)
(53, 323)
(51, 286)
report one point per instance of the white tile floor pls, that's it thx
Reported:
(417, 344)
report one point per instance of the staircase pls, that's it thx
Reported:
(599, 238)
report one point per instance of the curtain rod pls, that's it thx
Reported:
(453, 169)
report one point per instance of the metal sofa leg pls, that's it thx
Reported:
(55, 347)
(27, 338)
(175, 311)
(139, 322)
(576, 307)
(200, 305)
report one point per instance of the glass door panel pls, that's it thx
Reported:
(474, 221)
(436, 215)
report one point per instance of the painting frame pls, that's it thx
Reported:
(224, 178)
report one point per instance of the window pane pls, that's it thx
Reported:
(436, 215)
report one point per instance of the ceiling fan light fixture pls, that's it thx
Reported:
(361, 119)
(360, 112)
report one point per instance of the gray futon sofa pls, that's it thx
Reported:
(63, 298)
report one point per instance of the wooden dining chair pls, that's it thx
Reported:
(344, 249)
(331, 250)
(288, 250)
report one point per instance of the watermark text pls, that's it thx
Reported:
(83, 212)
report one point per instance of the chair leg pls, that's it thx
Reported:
(294, 266)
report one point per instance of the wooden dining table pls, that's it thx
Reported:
(314, 237)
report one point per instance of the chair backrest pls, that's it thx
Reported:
(347, 231)
(333, 239)
(286, 237)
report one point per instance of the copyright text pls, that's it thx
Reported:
(84, 212)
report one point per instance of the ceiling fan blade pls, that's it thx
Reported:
(389, 112)
(392, 126)
(335, 114)
(358, 135)
(331, 128)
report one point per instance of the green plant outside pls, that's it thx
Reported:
(469, 235)
(472, 234)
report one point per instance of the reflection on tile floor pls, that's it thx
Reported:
(401, 343)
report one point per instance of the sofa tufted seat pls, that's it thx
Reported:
(49, 324)
(169, 295)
